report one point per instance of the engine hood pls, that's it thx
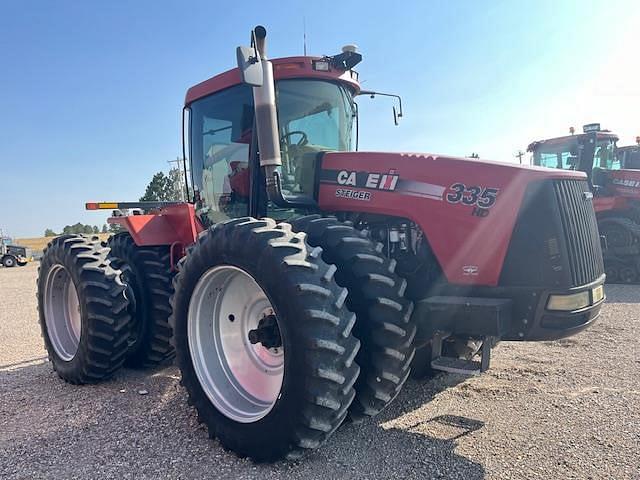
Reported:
(466, 207)
(436, 161)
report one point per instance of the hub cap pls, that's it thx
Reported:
(62, 312)
(235, 346)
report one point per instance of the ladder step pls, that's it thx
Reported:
(456, 365)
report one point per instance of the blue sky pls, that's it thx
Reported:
(91, 92)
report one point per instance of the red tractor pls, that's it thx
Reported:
(614, 178)
(297, 285)
(629, 156)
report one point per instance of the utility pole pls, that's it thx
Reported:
(520, 154)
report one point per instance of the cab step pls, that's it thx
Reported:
(460, 365)
(456, 365)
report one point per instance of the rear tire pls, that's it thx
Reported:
(82, 309)
(318, 367)
(147, 273)
(376, 295)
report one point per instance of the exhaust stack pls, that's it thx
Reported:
(264, 99)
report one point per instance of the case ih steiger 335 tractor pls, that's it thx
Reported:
(307, 273)
(614, 179)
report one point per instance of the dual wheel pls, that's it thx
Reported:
(619, 271)
(281, 331)
(102, 306)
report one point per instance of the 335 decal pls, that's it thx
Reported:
(473, 196)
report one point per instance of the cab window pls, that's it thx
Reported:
(221, 129)
(605, 156)
(559, 160)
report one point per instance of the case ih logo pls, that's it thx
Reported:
(377, 181)
(625, 182)
(470, 270)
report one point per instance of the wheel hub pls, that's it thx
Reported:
(267, 333)
(235, 343)
(62, 312)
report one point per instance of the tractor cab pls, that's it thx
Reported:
(592, 152)
(613, 172)
(629, 156)
(315, 114)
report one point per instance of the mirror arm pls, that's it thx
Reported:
(373, 94)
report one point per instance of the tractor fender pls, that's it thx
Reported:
(176, 226)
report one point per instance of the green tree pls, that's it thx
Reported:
(96, 229)
(115, 228)
(105, 228)
(50, 233)
(78, 228)
(158, 189)
(164, 188)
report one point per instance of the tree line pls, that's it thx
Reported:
(79, 228)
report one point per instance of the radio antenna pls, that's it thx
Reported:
(304, 35)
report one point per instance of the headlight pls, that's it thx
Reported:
(321, 65)
(571, 302)
(598, 293)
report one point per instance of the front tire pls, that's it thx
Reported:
(147, 273)
(82, 309)
(246, 276)
(376, 296)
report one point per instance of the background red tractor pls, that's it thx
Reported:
(614, 177)
(630, 156)
(285, 320)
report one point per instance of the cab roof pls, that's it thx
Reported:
(602, 135)
(283, 68)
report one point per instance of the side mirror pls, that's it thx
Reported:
(250, 66)
(397, 113)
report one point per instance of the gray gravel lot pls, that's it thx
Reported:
(566, 409)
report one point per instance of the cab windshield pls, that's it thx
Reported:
(313, 116)
(565, 155)
(605, 155)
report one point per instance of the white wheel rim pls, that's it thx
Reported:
(241, 379)
(62, 312)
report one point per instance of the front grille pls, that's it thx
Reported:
(555, 242)
(580, 230)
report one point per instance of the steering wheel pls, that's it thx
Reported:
(304, 139)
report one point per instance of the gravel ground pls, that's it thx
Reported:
(565, 409)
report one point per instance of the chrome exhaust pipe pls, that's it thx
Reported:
(264, 99)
